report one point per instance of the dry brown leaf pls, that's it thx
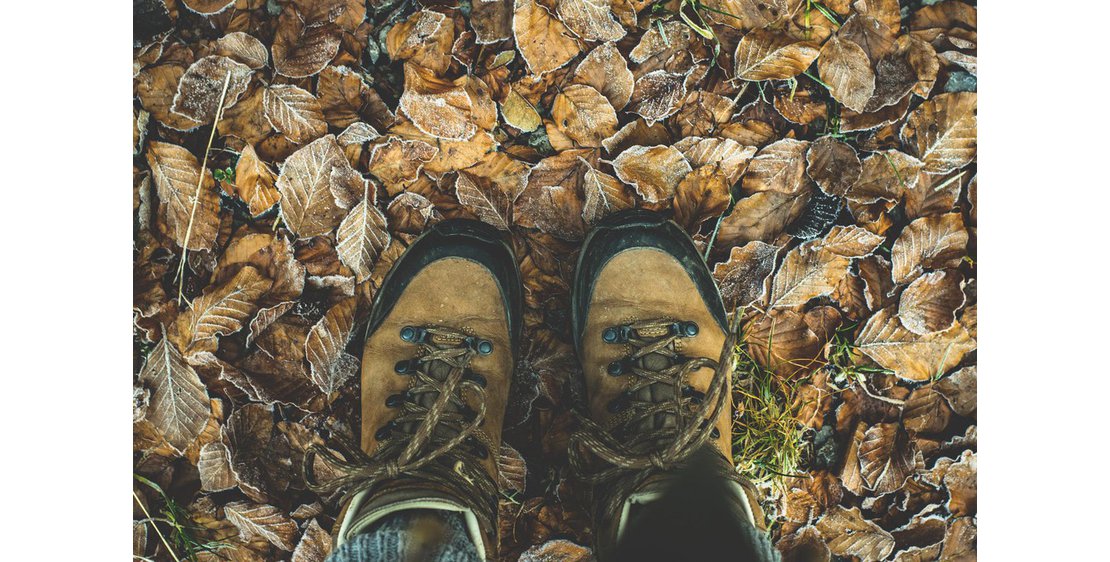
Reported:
(657, 95)
(244, 48)
(703, 113)
(330, 365)
(424, 39)
(254, 182)
(912, 357)
(397, 162)
(961, 482)
(306, 183)
(176, 174)
(214, 466)
(887, 457)
(490, 189)
(591, 20)
(303, 47)
(661, 47)
(871, 34)
(788, 341)
(220, 311)
(207, 7)
(361, 238)
(730, 157)
(779, 166)
(928, 243)
(264, 521)
(637, 133)
(933, 195)
(960, 390)
(199, 91)
(762, 216)
(492, 21)
(179, 404)
(743, 277)
(930, 302)
(558, 550)
(544, 42)
(847, 533)
(833, 165)
(604, 195)
(700, 196)
(512, 471)
(342, 95)
(942, 132)
(605, 69)
(451, 110)
(771, 55)
(926, 411)
(156, 87)
(584, 115)
(315, 545)
(886, 176)
(654, 171)
(844, 66)
(294, 113)
(817, 267)
(805, 545)
(520, 113)
(959, 541)
(552, 199)
(748, 14)
(247, 120)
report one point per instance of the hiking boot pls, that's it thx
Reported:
(436, 369)
(655, 345)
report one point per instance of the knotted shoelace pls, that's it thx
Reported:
(426, 453)
(626, 452)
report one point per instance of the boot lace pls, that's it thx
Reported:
(435, 437)
(623, 445)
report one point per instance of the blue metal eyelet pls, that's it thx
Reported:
(615, 369)
(413, 334)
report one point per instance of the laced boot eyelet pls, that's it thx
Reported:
(395, 400)
(480, 346)
(403, 367)
(384, 431)
(477, 448)
(616, 334)
(716, 433)
(412, 334)
(694, 395)
(476, 379)
(615, 369)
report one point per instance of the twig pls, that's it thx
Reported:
(156, 530)
(196, 195)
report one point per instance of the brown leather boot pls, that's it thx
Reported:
(655, 345)
(436, 370)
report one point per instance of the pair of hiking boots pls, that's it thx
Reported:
(654, 343)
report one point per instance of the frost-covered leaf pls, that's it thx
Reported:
(779, 166)
(176, 175)
(583, 114)
(519, 112)
(552, 200)
(730, 157)
(942, 132)
(223, 310)
(607, 72)
(844, 66)
(833, 165)
(762, 216)
(255, 520)
(397, 162)
(604, 195)
(207, 7)
(702, 195)
(591, 20)
(179, 405)
(512, 471)
(243, 47)
(324, 347)
(424, 38)
(214, 466)
(451, 110)
(315, 545)
(960, 389)
(658, 95)
(815, 268)
(655, 171)
(490, 188)
(743, 278)
(308, 205)
(561, 550)
(887, 457)
(198, 92)
(295, 113)
(772, 55)
(930, 302)
(928, 243)
(847, 533)
(361, 238)
(543, 41)
(910, 356)
(303, 47)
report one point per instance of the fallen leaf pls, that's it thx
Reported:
(343, 96)
(552, 200)
(961, 482)
(761, 216)
(191, 211)
(490, 189)
(779, 166)
(308, 205)
(254, 182)
(244, 48)
(423, 39)
(221, 311)
(910, 356)
(262, 521)
(728, 156)
(942, 132)
(959, 389)
(603, 194)
(926, 411)
(700, 196)
(584, 115)
(558, 550)
(769, 55)
(844, 66)
(303, 48)
(847, 533)
(207, 7)
(591, 20)
(361, 238)
(657, 95)
(397, 162)
(330, 366)
(179, 405)
(929, 243)
(654, 171)
(930, 302)
(605, 69)
(199, 91)
(518, 112)
(885, 176)
(887, 457)
(543, 41)
(295, 113)
(492, 21)
(214, 466)
(315, 545)
(743, 277)
(833, 165)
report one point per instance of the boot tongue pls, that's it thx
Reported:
(438, 370)
(655, 393)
